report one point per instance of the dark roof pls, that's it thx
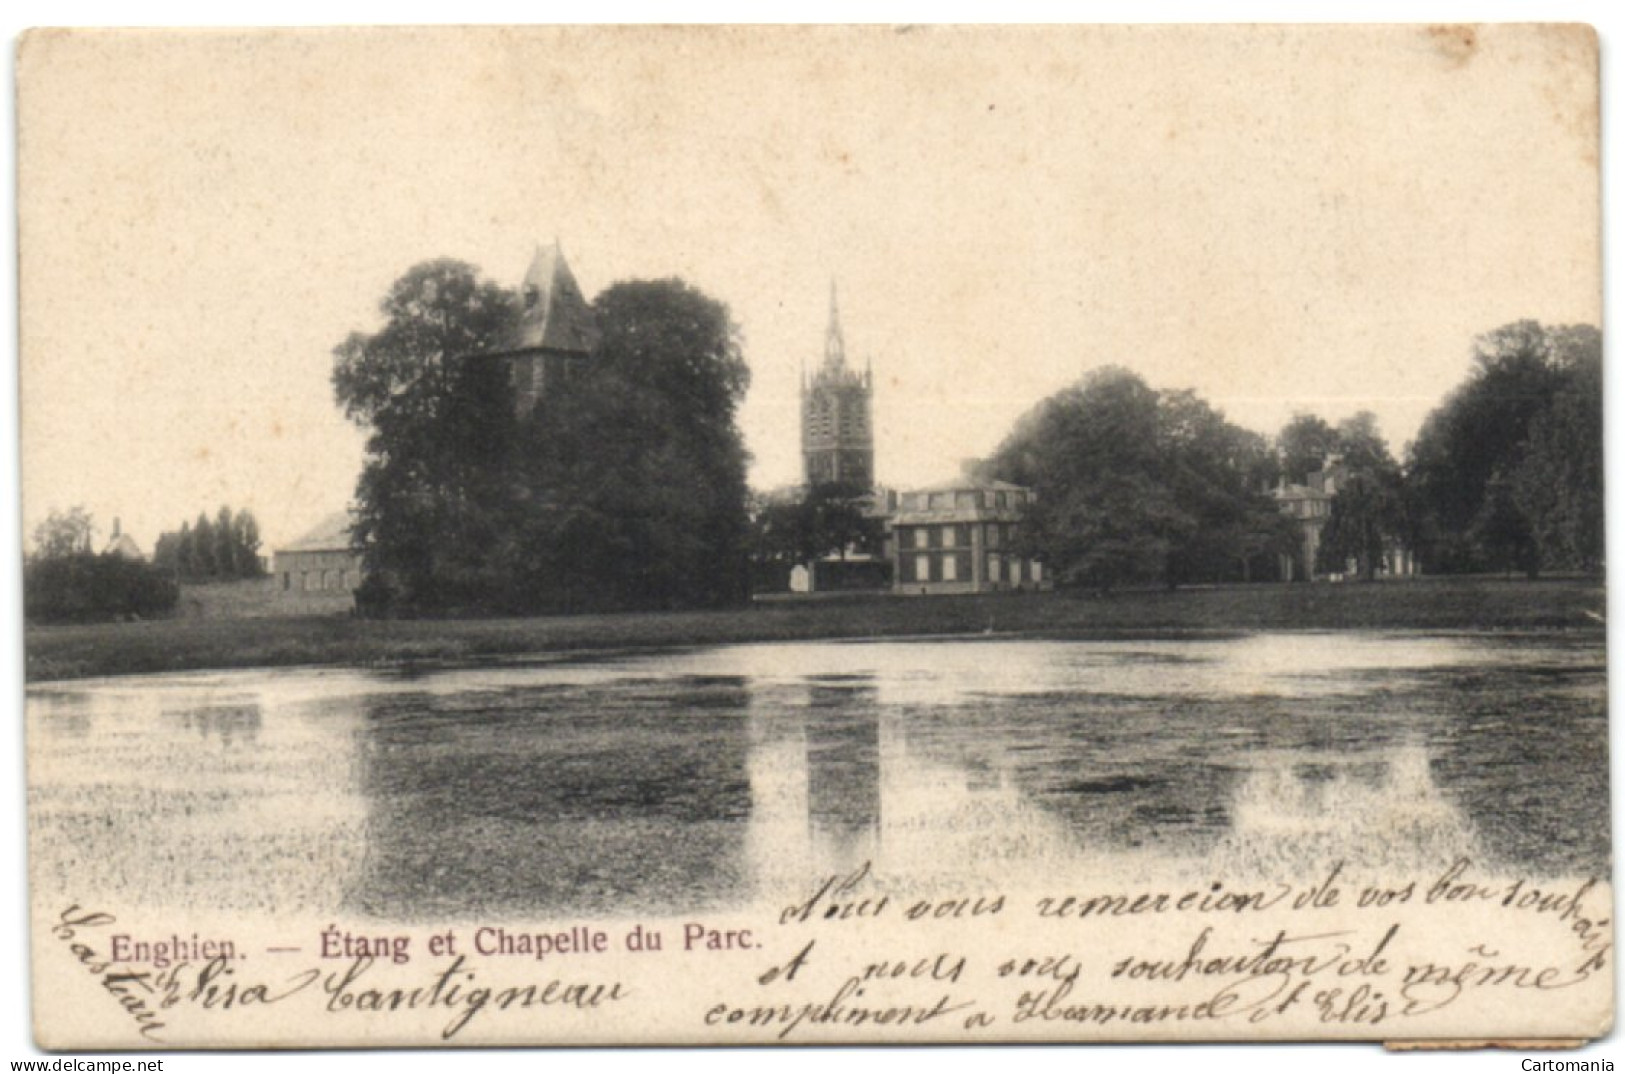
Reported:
(554, 316)
(332, 534)
(968, 485)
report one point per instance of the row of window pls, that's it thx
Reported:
(318, 580)
(824, 424)
(823, 430)
(955, 535)
(1311, 508)
(960, 567)
(824, 466)
(941, 501)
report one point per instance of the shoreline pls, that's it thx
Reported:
(70, 652)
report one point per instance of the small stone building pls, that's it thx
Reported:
(321, 560)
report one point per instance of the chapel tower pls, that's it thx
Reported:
(554, 334)
(837, 437)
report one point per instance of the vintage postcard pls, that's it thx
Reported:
(750, 536)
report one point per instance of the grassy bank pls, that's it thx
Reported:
(66, 652)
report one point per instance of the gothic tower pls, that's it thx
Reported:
(837, 438)
(555, 332)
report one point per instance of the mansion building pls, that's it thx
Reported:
(1311, 505)
(954, 538)
(960, 538)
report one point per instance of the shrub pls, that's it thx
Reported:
(83, 587)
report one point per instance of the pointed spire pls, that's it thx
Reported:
(834, 342)
(554, 315)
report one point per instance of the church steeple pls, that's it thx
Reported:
(837, 440)
(834, 342)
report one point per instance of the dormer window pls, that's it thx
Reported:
(532, 296)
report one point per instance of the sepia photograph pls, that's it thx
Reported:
(806, 535)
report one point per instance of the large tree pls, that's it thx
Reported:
(1522, 434)
(1558, 482)
(634, 470)
(624, 487)
(436, 314)
(64, 533)
(435, 471)
(64, 581)
(1216, 472)
(1134, 486)
(1365, 515)
(1101, 518)
(1304, 444)
(226, 548)
(435, 491)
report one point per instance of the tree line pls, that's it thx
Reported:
(1506, 473)
(226, 548)
(1136, 486)
(66, 580)
(623, 488)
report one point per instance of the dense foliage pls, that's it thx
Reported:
(1368, 508)
(831, 519)
(222, 549)
(84, 587)
(1507, 472)
(624, 488)
(1136, 486)
(637, 466)
(64, 581)
(434, 315)
(63, 533)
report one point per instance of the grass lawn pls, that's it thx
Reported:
(67, 652)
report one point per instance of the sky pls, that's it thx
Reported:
(1285, 220)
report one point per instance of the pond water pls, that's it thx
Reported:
(707, 779)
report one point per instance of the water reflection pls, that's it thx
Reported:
(708, 779)
(1292, 816)
(497, 803)
(182, 792)
(232, 724)
(842, 743)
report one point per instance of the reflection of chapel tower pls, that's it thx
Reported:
(837, 439)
